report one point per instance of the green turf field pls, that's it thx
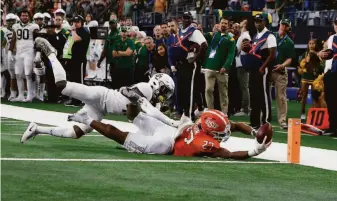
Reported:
(100, 181)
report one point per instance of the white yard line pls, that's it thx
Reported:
(313, 157)
(139, 160)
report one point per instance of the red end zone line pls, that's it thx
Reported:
(138, 160)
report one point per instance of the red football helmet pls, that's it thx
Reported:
(215, 124)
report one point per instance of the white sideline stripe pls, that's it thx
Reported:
(11, 121)
(17, 124)
(314, 157)
(138, 160)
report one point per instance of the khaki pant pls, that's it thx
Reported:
(243, 77)
(222, 80)
(280, 82)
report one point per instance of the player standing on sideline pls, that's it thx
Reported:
(98, 100)
(40, 71)
(23, 41)
(8, 31)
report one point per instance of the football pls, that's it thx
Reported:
(265, 130)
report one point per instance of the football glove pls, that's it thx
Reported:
(259, 148)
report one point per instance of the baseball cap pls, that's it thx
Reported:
(286, 22)
(78, 18)
(259, 17)
(187, 15)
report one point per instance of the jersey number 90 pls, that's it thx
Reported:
(22, 34)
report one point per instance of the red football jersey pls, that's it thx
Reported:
(194, 142)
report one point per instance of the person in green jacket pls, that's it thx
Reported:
(279, 77)
(122, 52)
(220, 55)
(107, 51)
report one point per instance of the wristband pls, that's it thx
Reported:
(252, 153)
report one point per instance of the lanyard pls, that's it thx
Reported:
(282, 40)
(222, 37)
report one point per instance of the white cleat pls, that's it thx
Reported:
(29, 133)
(29, 99)
(18, 99)
(10, 98)
(40, 98)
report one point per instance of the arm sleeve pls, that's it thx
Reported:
(131, 45)
(291, 54)
(329, 42)
(271, 41)
(230, 55)
(114, 46)
(197, 37)
(169, 56)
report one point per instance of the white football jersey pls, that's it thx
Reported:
(115, 102)
(8, 36)
(24, 37)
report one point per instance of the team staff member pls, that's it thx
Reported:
(330, 83)
(279, 76)
(259, 61)
(75, 50)
(186, 62)
(220, 56)
(122, 52)
(114, 35)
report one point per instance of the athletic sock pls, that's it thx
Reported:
(63, 132)
(59, 73)
(21, 87)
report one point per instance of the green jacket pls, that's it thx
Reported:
(224, 47)
(125, 61)
(108, 46)
(285, 49)
(142, 57)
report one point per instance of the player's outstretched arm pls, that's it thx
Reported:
(107, 130)
(241, 155)
(237, 155)
(243, 128)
